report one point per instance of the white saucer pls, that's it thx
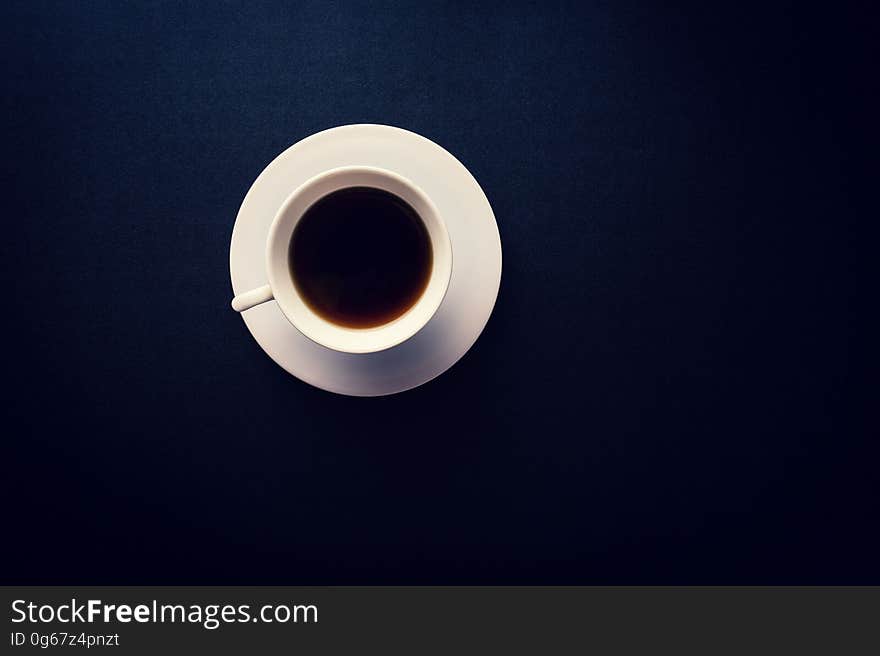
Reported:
(476, 270)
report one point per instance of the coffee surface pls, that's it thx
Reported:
(360, 257)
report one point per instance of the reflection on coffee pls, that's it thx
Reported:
(360, 257)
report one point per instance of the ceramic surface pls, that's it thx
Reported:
(473, 284)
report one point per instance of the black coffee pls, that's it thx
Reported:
(360, 257)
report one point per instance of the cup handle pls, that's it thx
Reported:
(254, 297)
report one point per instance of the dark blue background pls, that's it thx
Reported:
(672, 386)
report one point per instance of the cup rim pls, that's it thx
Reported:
(335, 336)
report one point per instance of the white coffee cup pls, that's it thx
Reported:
(283, 290)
